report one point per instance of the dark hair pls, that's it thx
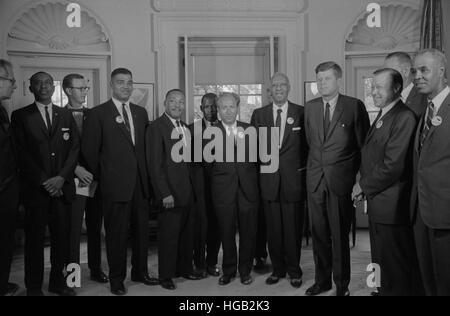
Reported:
(209, 96)
(330, 65)
(121, 71)
(396, 78)
(68, 80)
(4, 64)
(403, 57)
(33, 77)
(174, 90)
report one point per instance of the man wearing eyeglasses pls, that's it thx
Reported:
(47, 144)
(76, 89)
(9, 186)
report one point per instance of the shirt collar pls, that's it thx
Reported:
(440, 98)
(283, 108)
(407, 91)
(174, 121)
(332, 102)
(234, 126)
(119, 103)
(42, 106)
(386, 109)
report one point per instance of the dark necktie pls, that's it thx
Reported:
(4, 119)
(48, 120)
(326, 120)
(181, 131)
(427, 125)
(126, 118)
(278, 124)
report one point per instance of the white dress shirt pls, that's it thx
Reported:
(439, 100)
(181, 129)
(119, 107)
(284, 114)
(41, 108)
(406, 92)
(231, 128)
(332, 103)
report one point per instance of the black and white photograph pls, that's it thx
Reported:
(197, 150)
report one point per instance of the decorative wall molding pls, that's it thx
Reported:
(291, 6)
(400, 28)
(45, 25)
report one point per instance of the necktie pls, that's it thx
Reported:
(278, 124)
(48, 120)
(427, 124)
(327, 121)
(126, 118)
(4, 119)
(181, 131)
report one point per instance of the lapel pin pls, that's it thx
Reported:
(119, 119)
(290, 121)
(379, 124)
(437, 121)
(66, 136)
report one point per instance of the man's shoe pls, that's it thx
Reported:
(260, 264)
(168, 284)
(146, 279)
(316, 289)
(247, 279)
(118, 289)
(99, 277)
(35, 293)
(296, 282)
(273, 279)
(64, 291)
(213, 271)
(342, 292)
(226, 279)
(11, 289)
(194, 276)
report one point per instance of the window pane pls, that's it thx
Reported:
(251, 89)
(57, 97)
(199, 90)
(368, 99)
(248, 105)
(228, 88)
(198, 115)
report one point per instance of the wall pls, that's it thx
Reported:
(446, 9)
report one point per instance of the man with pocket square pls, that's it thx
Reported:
(283, 192)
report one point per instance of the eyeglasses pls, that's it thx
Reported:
(12, 80)
(83, 89)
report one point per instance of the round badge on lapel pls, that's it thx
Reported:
(290, 121)
(119, 120)
(66, 136)
(437, 121)
(379, 124)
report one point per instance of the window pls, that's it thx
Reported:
(59, 97)
(251, 98)
(368, 99)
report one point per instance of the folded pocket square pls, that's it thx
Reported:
(295, 129)
(65, 129)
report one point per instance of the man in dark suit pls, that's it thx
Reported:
(207, 239)
(284, 191)
(386, 180)
(410, 96)
(235, 191)
(47, 143)
(113, 147)
(76, 89)
(172, 185)
(336, 127)
(431, 195)
(9, 182)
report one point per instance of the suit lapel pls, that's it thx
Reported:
(443, 113)
(418, 133)
(288, 127)
(55, 119)
(318, 108)
(36, 118)
(135, 123)
(383, 119)
(114, 116)
(336, 116)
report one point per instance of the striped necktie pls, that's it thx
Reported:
(427, 124)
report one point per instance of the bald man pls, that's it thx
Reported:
(431, 193)
(9, 182)
(410, 95)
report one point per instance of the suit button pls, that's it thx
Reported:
(53, 154)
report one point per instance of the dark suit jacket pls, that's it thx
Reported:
(431, 188)
(227, 177)
(338, 156)
(42, 156)
(386, 166)
(417, 102)
(110, 154)
(290, 179)
(168, 177)
(9, 189)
